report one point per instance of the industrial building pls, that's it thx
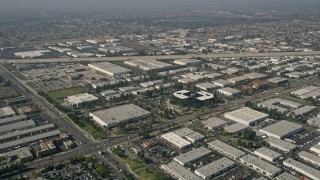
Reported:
(22, 155)
(311, 158)
(182, 95)
(277, 80)
(206, 86)
(215, 168)
(187, 62)
(255, 75)
(214, 123)
(286, 176)
(17, 126)
(282, 129)
(267, 154)
(149, 65)
(281, 105)
(194, 137)
(183, 132)
(79, 100)
(302, 168)
(6, 112)
(230, 92)
(316, 149)
(261, 166)
(236, 128)
(303, 110)
(222, 83)
(246, 116)
(26, 132)
(191, 156)
(179, 172)
(307, 92)
(226, 149)
(203, 96)
(113, 116)
(176, 140)
(110, 69)
(27, 140)
(280, 144)
(13, 119)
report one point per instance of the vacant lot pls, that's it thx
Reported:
(66, 92)
(8, 92)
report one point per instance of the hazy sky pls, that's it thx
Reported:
(10, 5)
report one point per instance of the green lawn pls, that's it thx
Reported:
(150, 175)
(19, 75)
(34, 86)
(93, 132)
(134, 164)
(66, 92)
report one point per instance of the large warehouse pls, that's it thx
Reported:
(246, 116)
(179, 172)
(282, 129)
(110, 69)
(192, 156)
(215, 168)
(226, 149)
(80, 99)
(113, 116)
(149, 65)
(302, 168)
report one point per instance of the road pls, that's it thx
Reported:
(124, 58)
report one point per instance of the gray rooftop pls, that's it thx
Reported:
(245, 115)
(192, 155)
(179, 171)
(281, 129)
(215, 167)
(255, 161)
(309, 157)
(267, 152)
(17, 126)
(236, 128)
(214, 123)
(12, 119)
(109, 67)
(280, 144)
(225, 148)
(286, 176)
(302, 168)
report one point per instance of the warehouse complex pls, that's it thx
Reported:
(149, 65)
(113, 116)
(214, 123)
(191, 156)
(183, 137)
(280, 144)
(267, 154)
(80, 99)
(246, 116)
(281, 105)
(302, 168)
(282, 129)
(226, 149)
(179, 172)
(215, 168)
(311, 158)
(187, 62)
(260, 165)
(110, 69)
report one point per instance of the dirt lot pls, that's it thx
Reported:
(8, 92)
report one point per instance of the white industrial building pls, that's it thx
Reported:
(246, 116)
(113, 116)
(192, 156)
(226, 149)
(203, 96)
(236, 128)
(189, 134)
(310, 91)
(311, 158)
(230, 92)
(149, 65)
(80, 99)
(267, 154)
(179, 172)
(302, 168)
(316, 149)
(281, 105)
(110, 69)
(222, 83)
(6, 112)
(303, 110)
(282, 129)
(280, 144)
(176, 140)
(182, 94)
(255, 75)
(214, 123)
(261, 166)
(187, 62)
(215, 168)
(206, 86)
(286, 176)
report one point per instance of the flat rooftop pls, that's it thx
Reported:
(286, 176)
(109, 67)
(179, 171)
(245, 115)
(310, 157)
(281, 144)
(215, 167)
(255, 161)
(227, 149)
(282, 129)
(302, 168)
(192, 155)
(235, 128)
(175, 140)
(120, 113)
(214, 123)
(267, 152)
(17, 126)
(6, 111)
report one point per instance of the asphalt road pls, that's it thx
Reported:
(124, 58)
